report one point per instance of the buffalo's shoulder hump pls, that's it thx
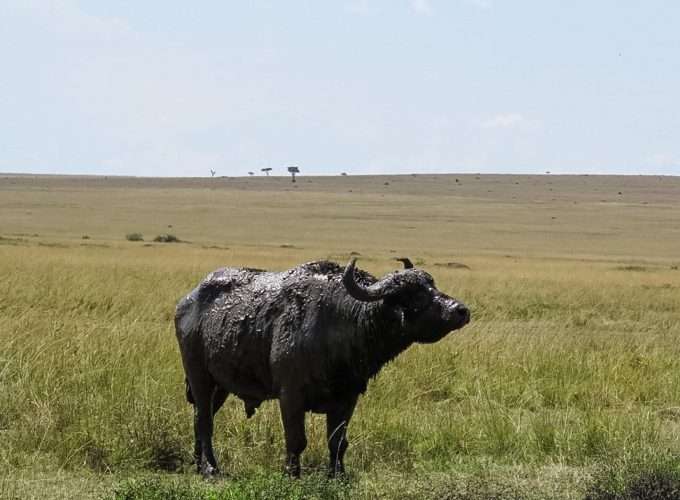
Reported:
(331, 269)
(322, 267)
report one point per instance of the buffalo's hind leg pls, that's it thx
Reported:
(197, 439)
(219, 397)
(204, 393)
(337, 420)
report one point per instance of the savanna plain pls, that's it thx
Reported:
(565, 385)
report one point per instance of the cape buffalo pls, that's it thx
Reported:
(310, 337)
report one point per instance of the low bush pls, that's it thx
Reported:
(166, 238)
(657, 479)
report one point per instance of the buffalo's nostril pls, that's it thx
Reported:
(462, 311)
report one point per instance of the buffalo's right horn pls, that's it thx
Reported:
(406, 261)
(357, 291)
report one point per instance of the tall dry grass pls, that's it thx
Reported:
(564, 365)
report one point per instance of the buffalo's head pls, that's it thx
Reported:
(425, 313)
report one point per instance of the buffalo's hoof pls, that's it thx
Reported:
(208, 471)
(293, 471)
(336, 472)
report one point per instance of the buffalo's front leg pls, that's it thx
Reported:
(337, 420)
(293, 417)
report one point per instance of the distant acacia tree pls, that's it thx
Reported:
(293, 171)
(251, 173)
(212, 173)
(266, 170)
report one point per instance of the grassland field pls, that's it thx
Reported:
(565, 385)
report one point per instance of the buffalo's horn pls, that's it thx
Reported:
(364, 294)
(406, 261)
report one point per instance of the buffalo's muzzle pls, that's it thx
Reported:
(462, 312)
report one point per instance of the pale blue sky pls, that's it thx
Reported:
(362, 86)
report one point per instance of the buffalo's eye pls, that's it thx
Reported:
(419, 300)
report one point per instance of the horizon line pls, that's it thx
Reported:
(400, 174)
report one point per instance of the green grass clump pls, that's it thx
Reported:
(134, 237)
(262, 486)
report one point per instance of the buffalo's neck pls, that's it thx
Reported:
(382, 337)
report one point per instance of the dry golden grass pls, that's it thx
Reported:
(574, 217)
(572, 360)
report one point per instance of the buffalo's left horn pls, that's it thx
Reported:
(406, 261)
(357, 291)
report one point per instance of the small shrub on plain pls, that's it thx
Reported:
(166, 238)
